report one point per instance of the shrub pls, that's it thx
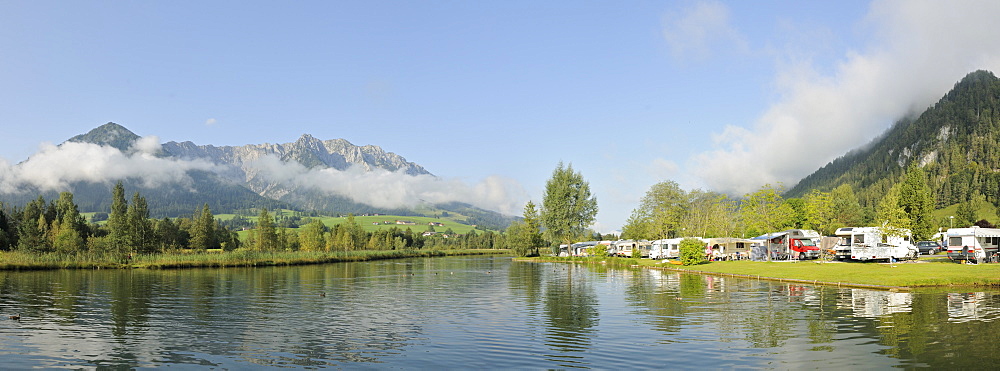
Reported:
(692, 252)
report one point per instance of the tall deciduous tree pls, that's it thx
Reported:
(203, 234)
(267, 236)
(567, 205)
(312, 236)
(847, 210)
(660, 212)
(890, 215)
(764, 212)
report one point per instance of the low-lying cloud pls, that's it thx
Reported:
(55, 168)
(919, 49)
(387, 189)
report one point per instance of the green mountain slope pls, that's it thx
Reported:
(956, 141)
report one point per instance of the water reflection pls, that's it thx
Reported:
(479, 313)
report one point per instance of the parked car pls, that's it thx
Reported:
(929, 247)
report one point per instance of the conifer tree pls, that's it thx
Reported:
(118, 237)
(140, 228)
(203, 230)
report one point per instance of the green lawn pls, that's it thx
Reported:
(933, 271)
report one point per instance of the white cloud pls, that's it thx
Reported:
(696, 31)
(211, 122)
(387, 189)
(54, 167)
(919, 50)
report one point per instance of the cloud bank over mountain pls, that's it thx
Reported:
(918, 49)
(55, 168)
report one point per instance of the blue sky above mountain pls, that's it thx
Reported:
(716, 95)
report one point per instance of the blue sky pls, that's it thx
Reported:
(724, 96)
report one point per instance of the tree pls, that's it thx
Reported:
(892, 218)
(266, 236)
(819, 212)
(968, 210)
(203, 234)
(660, 212)
(764, 212)
(709, 214)
(567, 205)
(518, 238)
(7, 233)
(311, 238)
(533, 223)
(692, 252)
(118, 237)
(140, 228)
(845, 208)
(917, 201)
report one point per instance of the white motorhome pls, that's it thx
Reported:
(870, 243)
(973, 244)
(669, 248)
(665, 248)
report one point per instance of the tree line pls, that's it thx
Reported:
(314, 235)
(667, 211)
(57, 226)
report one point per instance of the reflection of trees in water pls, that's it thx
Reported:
(931, 336)
(571, 311)
(525, 280)
(767, 322)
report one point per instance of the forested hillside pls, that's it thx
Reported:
(956, 142)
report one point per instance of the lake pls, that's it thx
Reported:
(479, 312)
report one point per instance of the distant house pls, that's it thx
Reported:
(405, 222)
(435, 224)
(429, 233)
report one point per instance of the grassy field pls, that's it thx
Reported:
(238, 258)
(374, 223)
(929, 272)
(987, 212)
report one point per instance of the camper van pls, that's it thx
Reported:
(870, 243)
(793, 243)
(973, 244)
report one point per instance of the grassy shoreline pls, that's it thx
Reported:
(936, 272)
(237, 258)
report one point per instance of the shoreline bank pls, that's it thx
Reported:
(904, 276)
(14, 261)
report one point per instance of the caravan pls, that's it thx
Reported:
(623, 248)
(869, 243)
(973, 244)
(665, 249)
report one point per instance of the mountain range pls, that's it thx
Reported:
(231, 178)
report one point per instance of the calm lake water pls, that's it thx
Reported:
(479, 312)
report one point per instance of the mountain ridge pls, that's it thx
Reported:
(232, 178)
